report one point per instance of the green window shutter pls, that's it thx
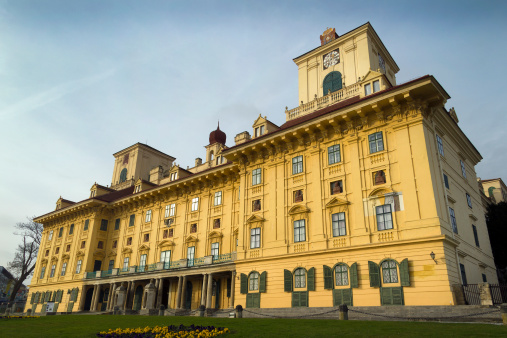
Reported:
(311, 279)
(328, 278)
(386, 296)
(374, 274)
(32, 298)
(287, 281)
(295, 299)
(244, 284)
(256, 300)
(397, 296)
(262, 284)
(353, 276)
(303, 299)
(59, 295)
(347, 296)
(55, 308)
(70, 306)
(404, 275)
(337, 297)
(249, 300)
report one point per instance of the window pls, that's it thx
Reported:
(216, 223)
(42, 272)
(218, 198)
(60, 233)
(376, 86)
(100, 245)
(463, 170)
(123, 175)
(148, 216)
(115, 244)
(165, 233)
(484, 278)
(53, 268)
(195, 203)
(137, 189)
(83, 244)
(297, 165)
(174, 176)
(336, 187)
(298, 196)
(50, 237)
(338, 221)
(87, 222)
(146, 237)
(171, 232)
(476, 235)
(333, 154)
(389, 272)
(440, 145)
(215, 250)
(253, 281)
(165, 257)
(126, 263)
(469, 201)
(131, 220)
(255, 238)
(299, 231)
(93, 193)
(384, 217)
(332, 82)
(453, 220)
(117, 224)
(190, 255)
(379, 177)
(129, 241)
(71, 229)
(57, 250)
(67, 249)
(376, 142)
(262, 130)
(111, 264)
(103, 225)
(300, 277)
(446, 181)
(256, 176)
(463, 274)
(193, 228)
(47, 253)
(172, 210)
(142, 262)
(341, 275)
(256, 205)
(256, 132)
(78, 266)
(367, 89)
(167, 209)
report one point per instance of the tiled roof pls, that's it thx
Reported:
(115, 195)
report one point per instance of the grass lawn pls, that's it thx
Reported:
(89, 325)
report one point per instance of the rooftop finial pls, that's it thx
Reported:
(218, 127)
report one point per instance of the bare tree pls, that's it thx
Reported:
(23, 264)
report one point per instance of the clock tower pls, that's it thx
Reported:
(342, 63)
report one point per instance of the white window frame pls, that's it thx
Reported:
(300, 278)
(297, 165)
(385, 216)
(299, 231)
(53, 269)
(334, 154)
(375, 143)
(376, 86)
(126, 263)
(195, 204)
(215, 249)
(190, 255)
(261, 130)
(218, 198)
(255, 238)
(253, 281)
(50, 236)
(64, 269)
(148, 216)
(42, 272)
(463, 169)
(469, 200)
(165, 256)
(78, 266)
(256, 176)
(172, 210)
(440, 145)
(454, 224)
(142, 261)
(339, 224)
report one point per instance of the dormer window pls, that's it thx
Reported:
(368, 87)
(174, 176)
(92, 195)
(137, 189)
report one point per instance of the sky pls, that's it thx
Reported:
(81, 80)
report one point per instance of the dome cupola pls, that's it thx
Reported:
(217, 136)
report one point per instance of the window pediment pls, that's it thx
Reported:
(99, 253)
(54, 258)
(335, 201)
(166, 242)
(65, 256)
(44, 261)
(144, 247)
(254, 218)
(126, 251)
(379, 192)
(215, 234)
(191, 239)
(472, 216)
(111, 254)
(298, 209)
(80, 253)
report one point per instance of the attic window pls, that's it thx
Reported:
(174, 176)
(137, 189)
(93, 193)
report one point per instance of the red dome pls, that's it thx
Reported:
(217, 136)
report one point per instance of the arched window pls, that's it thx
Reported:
(253, 281)
(341, 275)
(332, 82)
(123, 175)
(389, 271)
(300, 277)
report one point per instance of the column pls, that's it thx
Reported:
(209, 291)
(111, 300)
(203, 292)
(94, 295)
(109, 296)
(83, 298)
(126, 296)
(96, 301)
(178, 293)
(131, 295)
(143, 301)
(169, 294)
(159, 292)
(233, 286)
(183, 291)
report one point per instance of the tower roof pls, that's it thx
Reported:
(217, 136)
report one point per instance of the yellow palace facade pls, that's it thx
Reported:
(366, 196)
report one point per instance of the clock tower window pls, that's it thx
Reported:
(332, 82)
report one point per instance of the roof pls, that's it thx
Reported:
(102, 187)
(327, 110)
(67, 201)
(115, 195)
(366, 24)
(146, 146)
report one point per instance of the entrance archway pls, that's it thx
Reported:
(88, 299)
(138, 298)
(188, 296)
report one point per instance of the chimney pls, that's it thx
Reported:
(198, 161)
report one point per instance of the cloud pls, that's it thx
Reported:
(41, 99)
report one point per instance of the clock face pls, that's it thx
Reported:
(331, 59)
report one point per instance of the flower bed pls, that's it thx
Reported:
(17, 317)
(171, 331)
